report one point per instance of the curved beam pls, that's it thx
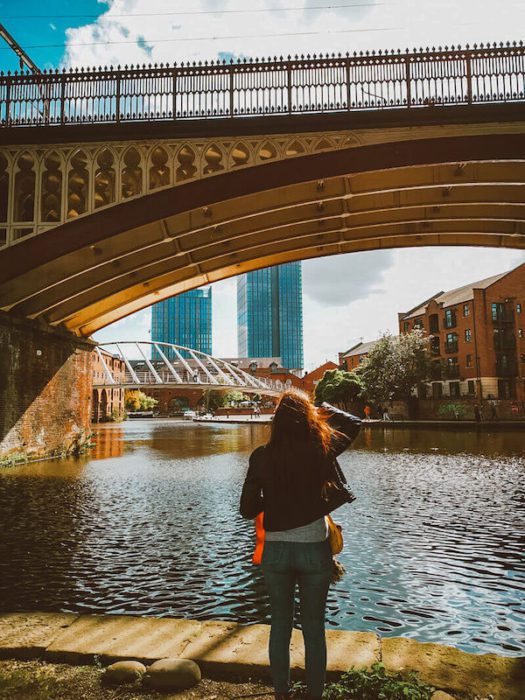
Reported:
(408, 202)
(201, 193)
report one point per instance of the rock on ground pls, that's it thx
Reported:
(123, 672)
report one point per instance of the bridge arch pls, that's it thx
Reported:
(445, 190)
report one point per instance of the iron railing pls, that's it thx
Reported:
(305, 84)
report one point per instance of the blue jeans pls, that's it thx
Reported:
(284, 565)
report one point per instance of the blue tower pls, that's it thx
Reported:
(183, 320)
(270, 314)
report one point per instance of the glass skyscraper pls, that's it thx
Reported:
(270, 314)
(183, 320)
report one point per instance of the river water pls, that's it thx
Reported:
(148, 524)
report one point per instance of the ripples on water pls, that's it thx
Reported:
(149, 525)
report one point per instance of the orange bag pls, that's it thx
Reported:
(259, 539)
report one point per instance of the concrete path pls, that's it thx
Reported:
(229, 650)
(250, 420)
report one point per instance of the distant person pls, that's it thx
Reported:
(493, 410)
(477, 413)
(367, 411)
(296, 481)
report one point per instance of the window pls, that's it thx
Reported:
(520, 332)
(469, 360)
(418, 323)
(518, 308)
(466, 309)
(433, 321)
(452, 368)
(522, 358)
(406, 327)
(454, 388)
(471, 387)
(450, 318)
(468, 335)
(451, 344)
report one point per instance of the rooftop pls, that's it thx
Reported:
(360, 349)
(454, 296)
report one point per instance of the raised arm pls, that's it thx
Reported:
(347, 426)
(251, 497)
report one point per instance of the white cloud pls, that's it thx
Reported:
(371, 24)
(338, 280)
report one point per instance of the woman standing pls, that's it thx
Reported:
(296, 481)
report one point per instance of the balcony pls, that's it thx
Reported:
(434, 346)
(507, 369)
(452, 372)
(502, 314)
(506, 343)
(451, 346)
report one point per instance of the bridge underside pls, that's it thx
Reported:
(92, 271)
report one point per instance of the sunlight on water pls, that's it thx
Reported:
(149, 524)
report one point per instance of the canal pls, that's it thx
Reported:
(148, 524)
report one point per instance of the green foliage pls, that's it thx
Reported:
(211, 400)
(234, 398)
(339, 387)
(452, 410)
(138, 401)
(375, 684)
(395, 366)
(13, 459)
(117, 416)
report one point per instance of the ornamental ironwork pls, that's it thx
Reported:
(300, 85)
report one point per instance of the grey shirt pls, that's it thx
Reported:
(316, 531)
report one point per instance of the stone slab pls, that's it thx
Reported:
(27, 635)
(458, 671)
(120, 637)
(348, 650)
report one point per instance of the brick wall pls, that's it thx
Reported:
(45, 389)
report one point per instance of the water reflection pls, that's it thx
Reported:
(148, 524)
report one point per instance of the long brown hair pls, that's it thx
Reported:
(298, 423)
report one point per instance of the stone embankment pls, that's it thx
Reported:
(230, 650)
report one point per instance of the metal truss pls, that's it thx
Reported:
(144, 364)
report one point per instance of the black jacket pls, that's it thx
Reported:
(286, 508)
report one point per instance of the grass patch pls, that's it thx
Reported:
(375, 684)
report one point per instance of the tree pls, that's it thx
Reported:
(395, 366)
(211, 400)
(135, 400)
(340, 387)
(233, 398)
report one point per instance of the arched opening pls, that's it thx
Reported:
(94, 406)
(103, 412)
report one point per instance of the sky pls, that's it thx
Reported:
(346, 298)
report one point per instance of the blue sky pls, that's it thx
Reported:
(21, 21)
(347, 297)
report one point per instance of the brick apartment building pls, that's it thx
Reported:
(352, 358)
(477, 338)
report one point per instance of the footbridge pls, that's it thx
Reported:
(146, 365)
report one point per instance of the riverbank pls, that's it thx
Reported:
(226, 650)
(38, 680)
(482, 426)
